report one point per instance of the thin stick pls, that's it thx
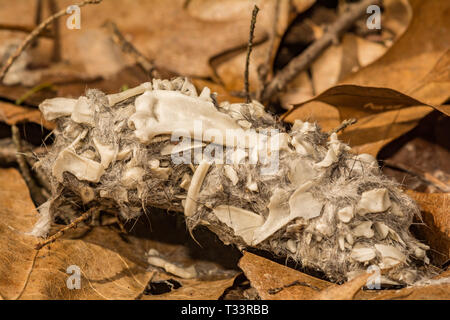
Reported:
(35, 191)
(249, 51)
(56, 54)
(61, 232)
(26, 29)
(29, 39)
(129, 48)
(304, 60)
(343, 125)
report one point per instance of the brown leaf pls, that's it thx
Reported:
(26, 273)
(417, 64)
(13, 114)
(435, 208)
(345, 291)
(267, 276)
(194, 289)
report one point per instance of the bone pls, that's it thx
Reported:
(391, 256)
(363, 254)
(196, 183)
(57, 107)
(374, 201)
(83, 168)
(83, 112)
(115, 98)
(243, 222)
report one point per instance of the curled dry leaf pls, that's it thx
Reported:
(394, 90)
(26, 273)
(13, 114)
(435, 208)
(274, 281)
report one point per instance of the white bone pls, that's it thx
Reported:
(329, 159)
(124, 153)
(364, 229)
(349, 238)
(231, 174)
(362, 254)
(391, 256)
(158, 172)
(169, 267)
(303, 205)
(108, 153)
(83, 112)
(382, 229)
(196, 183)
(164, 112)
(250, 184)
(341, 243)
(82, 168)
(115, 98)
(363, 163)
(243, 222)
(57, 107)
(376, 200)
(184, 145)
(345, 214)
(185, 181)
(300, 171)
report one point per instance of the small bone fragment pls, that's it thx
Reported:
(115, 98)
(243, 222)
(329, 159)
(231, 174)
(107, 153)
(341, 243)
(391, 255)
(57, 107)
(364, 229)
(185, 181)
(83, 112)
(376, 200)
(291, 245)
(303, 205)
(251, 185)
(82, 168)
(184, 145)
(157, 261)
(382, 229)
(363, 254)
(196, 183)
(345, 214)
(301, 171)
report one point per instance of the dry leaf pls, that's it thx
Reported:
(412, 63)
(345, 291)
(26, 273)
(194, 289)
(13, 114)
(435, 208)
(266, 276)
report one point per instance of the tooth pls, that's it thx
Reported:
(194, 189)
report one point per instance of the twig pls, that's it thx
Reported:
(61, 232)
(304, 60)
(29, 39)
(263, 69)
(56, 54)
(26, 29)
(29, 93)
(35, 191)
(129, 48)
(343, 125)
(419, 173)
(249, 51)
